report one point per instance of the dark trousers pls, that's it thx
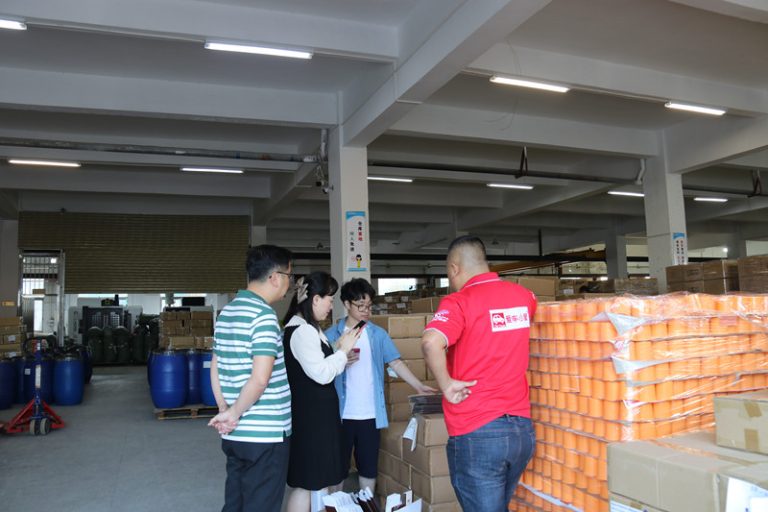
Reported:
(256, 474)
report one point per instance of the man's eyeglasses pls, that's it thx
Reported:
(291, 277)
(365, 306)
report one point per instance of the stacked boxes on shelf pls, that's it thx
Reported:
(425, 468)
(630, 368)
(12, 336)
(715, 277)
(186, 329)
(753, 274)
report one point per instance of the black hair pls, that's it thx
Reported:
(318, 283)
(470, 240)
(262, 260)
(357, 289)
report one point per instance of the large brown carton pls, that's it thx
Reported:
(719, 269)
(720, 285)
(430, 460)
(441, 507)
(398, 392)
(10, 348)
(177, 342)
(13, 320)
(755, 283)
(753, 265)
(201, 331)
(741, 421)
(401, 326)
(418, 368)
(679, 273)
(409, 348)
(681, 473)
(425, 305)
(201, 315)
(399, 411)
(541, 286)
(402, 473)
(431, 430)
(392, 438)
(386, 463)
(434, 489)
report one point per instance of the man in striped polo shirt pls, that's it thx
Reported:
(251, 386)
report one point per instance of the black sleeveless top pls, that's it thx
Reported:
(316, 442)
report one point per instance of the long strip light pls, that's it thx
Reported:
(695, 108)
(628, 194)
(12, 24)
(711, 199)
(259, 50)
(212, 169)
(509, 185)
(385, 178)
(44, 163)
(528, 83)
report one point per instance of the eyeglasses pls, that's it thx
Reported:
(366, 306)
(291, 277)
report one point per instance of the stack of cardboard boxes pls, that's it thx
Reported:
(407, 301)
(186, 329)
(544, 287)
(12, 336)
(715, 277)
(631, 368)
(724, 471)
(753, 274)
(425, 467)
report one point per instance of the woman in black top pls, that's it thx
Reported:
(316, 460)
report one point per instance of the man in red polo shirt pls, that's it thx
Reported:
(484, 326)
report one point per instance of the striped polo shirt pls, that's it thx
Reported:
(248, 327)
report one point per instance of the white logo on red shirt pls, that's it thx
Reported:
(441, 316)
(509, 319)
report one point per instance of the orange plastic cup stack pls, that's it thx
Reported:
(656, 375)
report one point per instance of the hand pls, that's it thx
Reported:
(423, 389)
(352, 358)
(348, 340)
(224, 422)
(456, 391)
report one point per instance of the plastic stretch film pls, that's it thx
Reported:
(630, 368)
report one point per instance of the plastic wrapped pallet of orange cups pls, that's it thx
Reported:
(630, 368)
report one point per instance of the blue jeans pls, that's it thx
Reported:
(486, 464)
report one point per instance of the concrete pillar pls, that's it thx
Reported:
(664, 219)
(258, 235)
(737, 245)
(9, 268)
(348, 194)
(616, 255)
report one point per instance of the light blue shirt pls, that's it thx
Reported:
(383, 351)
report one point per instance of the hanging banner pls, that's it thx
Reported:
(357, 242)
(679, 249)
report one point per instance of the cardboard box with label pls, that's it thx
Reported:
(741, 421)
(401, 326)
(430, 460)
(431, 430)
(434, 489)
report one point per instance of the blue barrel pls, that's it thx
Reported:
(194, 364)
(206, 391)
(7, 383)
(169, 374)
(149, 367)
(68, 380)
(18, 363)
(46, 379)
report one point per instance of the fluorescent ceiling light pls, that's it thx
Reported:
(695, 108)
(384, 178)
(12, 24)
(509, 185)
(711, 199)
(629, 194)
(259, 50)
(45, 163)
(528, 83)
(212, 169)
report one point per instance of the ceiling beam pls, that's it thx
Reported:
(285, 190)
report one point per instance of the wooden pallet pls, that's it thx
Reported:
(188, 412)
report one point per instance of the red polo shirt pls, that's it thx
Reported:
(486, 325)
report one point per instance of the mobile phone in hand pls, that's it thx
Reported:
(360, 324)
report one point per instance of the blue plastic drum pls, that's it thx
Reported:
(7, 383)
(169, 374)
(68, 380)
(194, 364)
(206, 391)
(46, 379)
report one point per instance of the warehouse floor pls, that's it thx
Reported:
(113, 455)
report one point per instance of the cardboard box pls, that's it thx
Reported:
(655, 472)
(718, 286)
(440, 507)
(430, 460)
(201, 331)
(10, 321)
(755, 283)
(9, 349)
(399, 412)
(401, 326)
(409, 348)
(632, 286)
(431, 430)
(200, 322)
(425, 305)
(402, 473)
(386, 463)
(177, 342)
(741, 421)
(204, 342)
(417, 366)
(184, 316)
(391, 438)
(202, 315)
(545, 286)
(171, 325)
(12, 329)
(398, 392)
(434, 489)
(168, 315)
(680, 273)
(753, 265)
(9, 339)
(719, 269)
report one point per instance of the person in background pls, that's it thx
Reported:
(249, 382)
(361, 386)
(316, 445)
(484, 326)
